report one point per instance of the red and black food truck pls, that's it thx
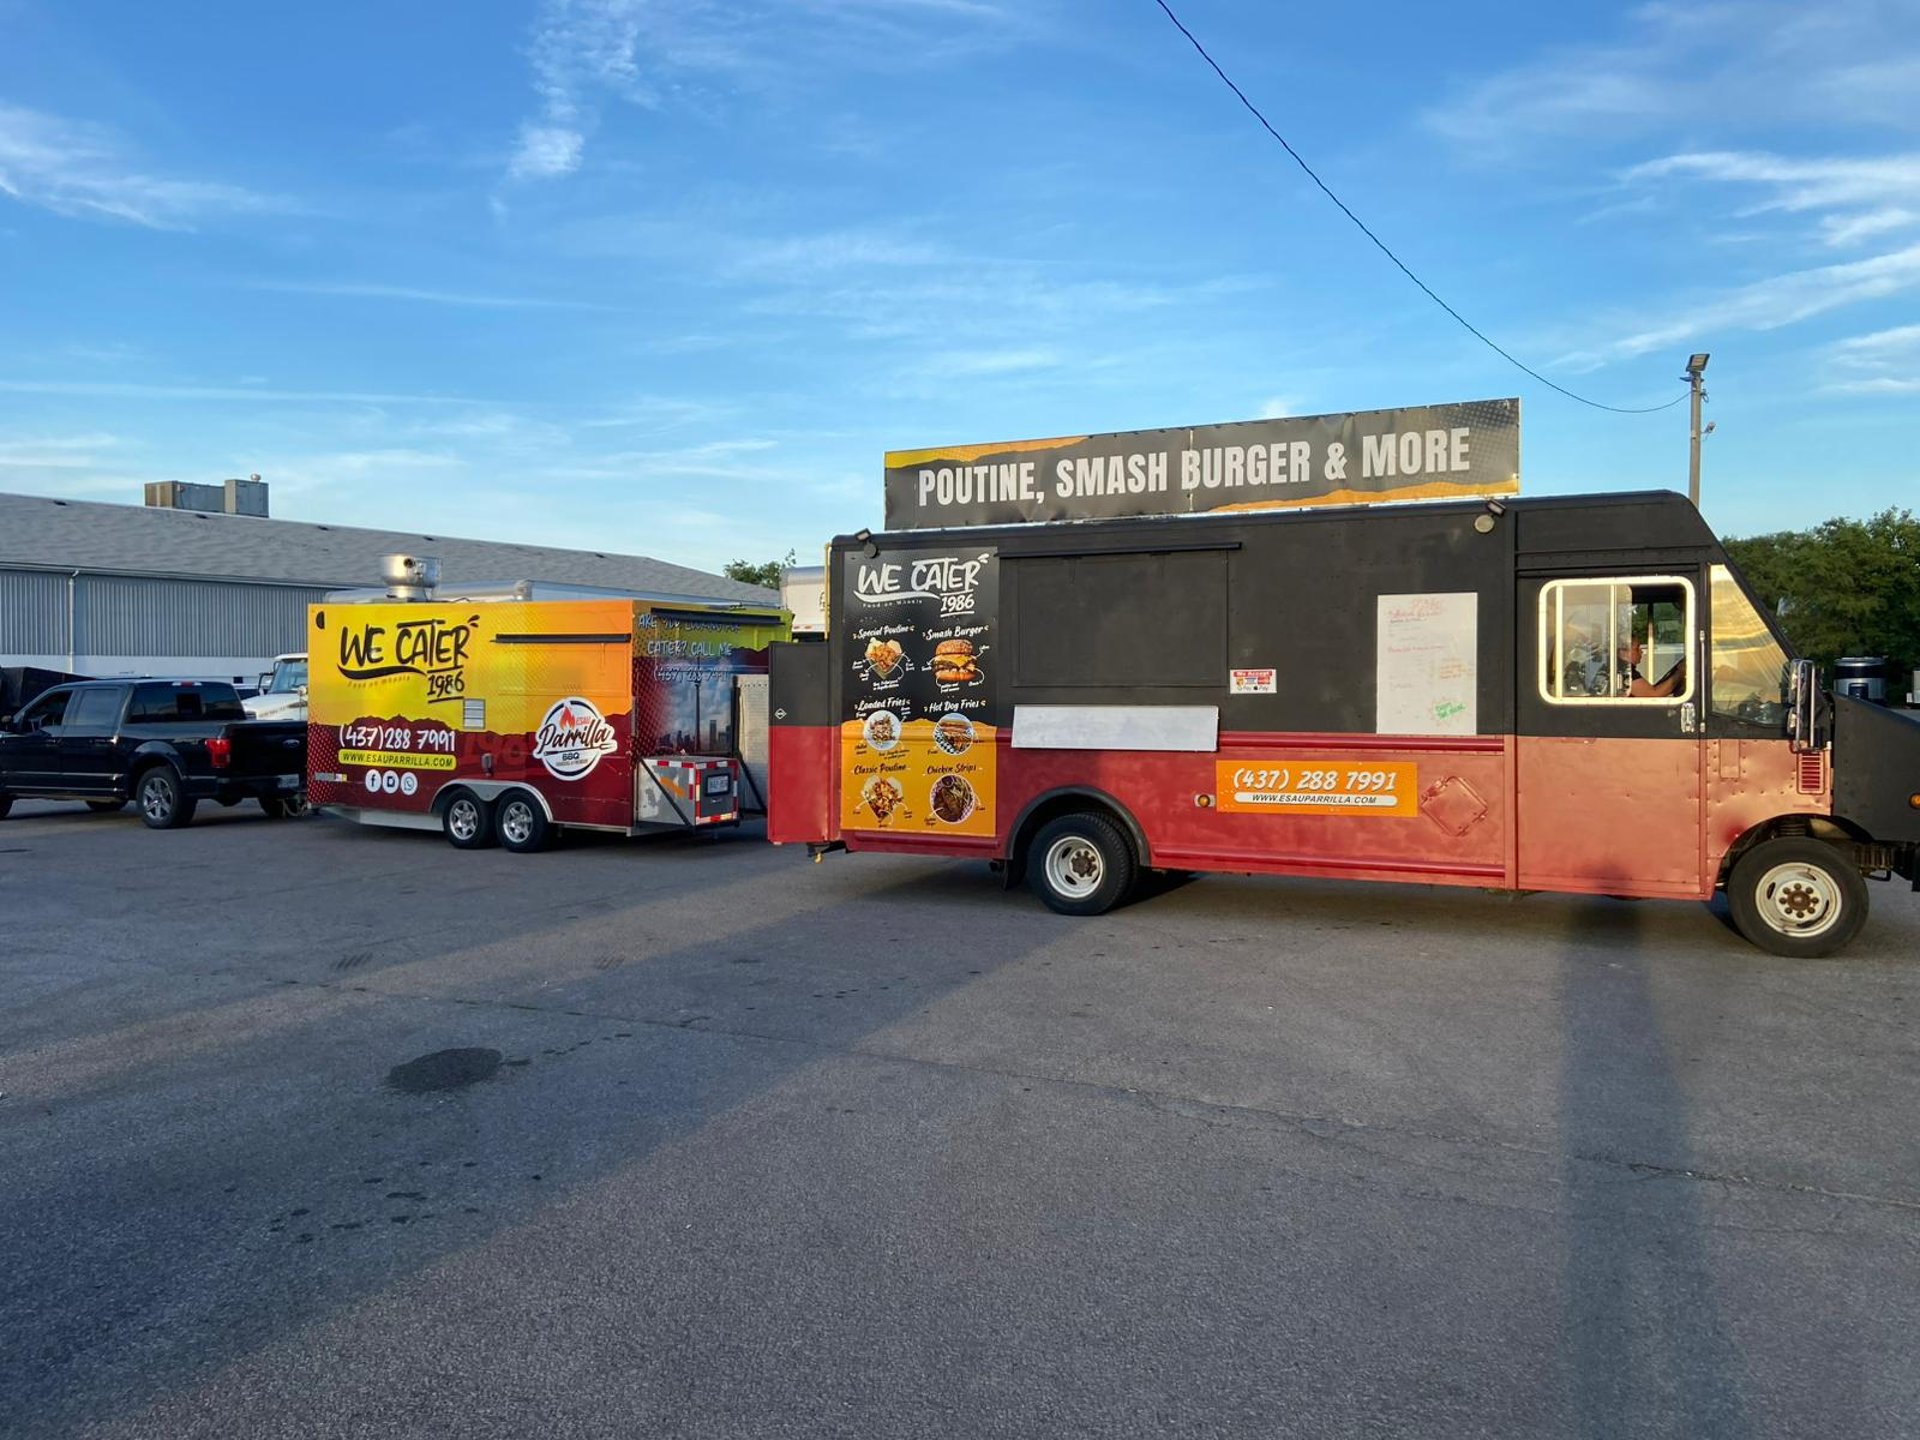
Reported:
(1571, 694)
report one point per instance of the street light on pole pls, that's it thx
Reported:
(1696, 369)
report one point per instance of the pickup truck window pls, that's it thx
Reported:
(46, 712)
(95, 709)
(162, 704)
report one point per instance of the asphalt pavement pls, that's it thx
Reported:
(314, 1130)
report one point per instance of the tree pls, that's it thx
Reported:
(1846, 587)
(748, 573)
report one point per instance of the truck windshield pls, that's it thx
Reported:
(289, 676)
(1749, 667)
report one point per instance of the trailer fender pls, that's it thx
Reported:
(490, 791)
(1064, 801)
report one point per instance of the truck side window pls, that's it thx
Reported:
(153, 705)
(1616, 641)
(46, 713)
(1749, 665)
(95, 709)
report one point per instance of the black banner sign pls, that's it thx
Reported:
(1423, 452)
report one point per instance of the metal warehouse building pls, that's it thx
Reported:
(95, 589)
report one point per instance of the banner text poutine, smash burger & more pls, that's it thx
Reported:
(1456, 450)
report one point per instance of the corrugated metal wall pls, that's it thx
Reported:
(132, 615)
(33, 613)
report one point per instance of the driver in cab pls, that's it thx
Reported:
(1634, 686)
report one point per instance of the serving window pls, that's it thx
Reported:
(1619, 641)
(1122, 621)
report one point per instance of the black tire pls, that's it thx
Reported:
(296, 804)
(523, 825)
(1797, 897)
(164, 804)
(467, 821)
(6, 806)
(1081, 865)
(106, 807)
(273, 807)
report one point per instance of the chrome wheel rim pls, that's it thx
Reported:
(1799, 899)
(1074, 867)
(156, 803)
(463, 819)
(516, 822)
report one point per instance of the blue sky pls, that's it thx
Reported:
(670, 276)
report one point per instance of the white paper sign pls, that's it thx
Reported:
(1426, 664)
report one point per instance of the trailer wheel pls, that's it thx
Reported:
(467, 821)
(1798, 897)
(163, 805)
(1081, 864)
(523, 824)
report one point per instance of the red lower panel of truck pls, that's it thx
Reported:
(1627, 817)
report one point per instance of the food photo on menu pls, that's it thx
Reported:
(884, 657)
(954, 663)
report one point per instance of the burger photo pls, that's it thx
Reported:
(953, 663)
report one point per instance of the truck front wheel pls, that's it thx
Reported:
(1798, 897)
(164, 804)
(1081, 864)
(467, 821)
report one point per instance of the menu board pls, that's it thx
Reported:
(918, 741)
(1427, 664)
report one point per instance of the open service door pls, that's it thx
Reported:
(1610, 744)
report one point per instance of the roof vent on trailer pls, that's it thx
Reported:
(410, 577)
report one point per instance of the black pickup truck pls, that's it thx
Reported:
(165, 744)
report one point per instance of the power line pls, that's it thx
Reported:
(1381, 245)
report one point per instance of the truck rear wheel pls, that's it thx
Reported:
(1081, 864)
(164, 804)
(524, 827)
(467, 821)
(1798, 897)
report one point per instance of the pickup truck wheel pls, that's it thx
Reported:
(467, 821)
(1797, 897)
(523, 824)
(106, 807)
(164, 804)
(6, 806)
(1081, 865)
(273, 807)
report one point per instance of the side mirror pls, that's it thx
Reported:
(1804, 711)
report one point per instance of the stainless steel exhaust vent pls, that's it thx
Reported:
(410, 577)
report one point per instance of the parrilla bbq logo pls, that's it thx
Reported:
(572, 738)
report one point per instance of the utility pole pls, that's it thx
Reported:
(1696, 371)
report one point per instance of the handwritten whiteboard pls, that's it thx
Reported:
(1427, 664)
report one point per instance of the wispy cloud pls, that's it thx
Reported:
(1718, 63)
(1885, 362)
(368, 290)
(1768, 304)
(82, 170)
(131, 390)
(55, 452)
(583, 53)
(1870, 193)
